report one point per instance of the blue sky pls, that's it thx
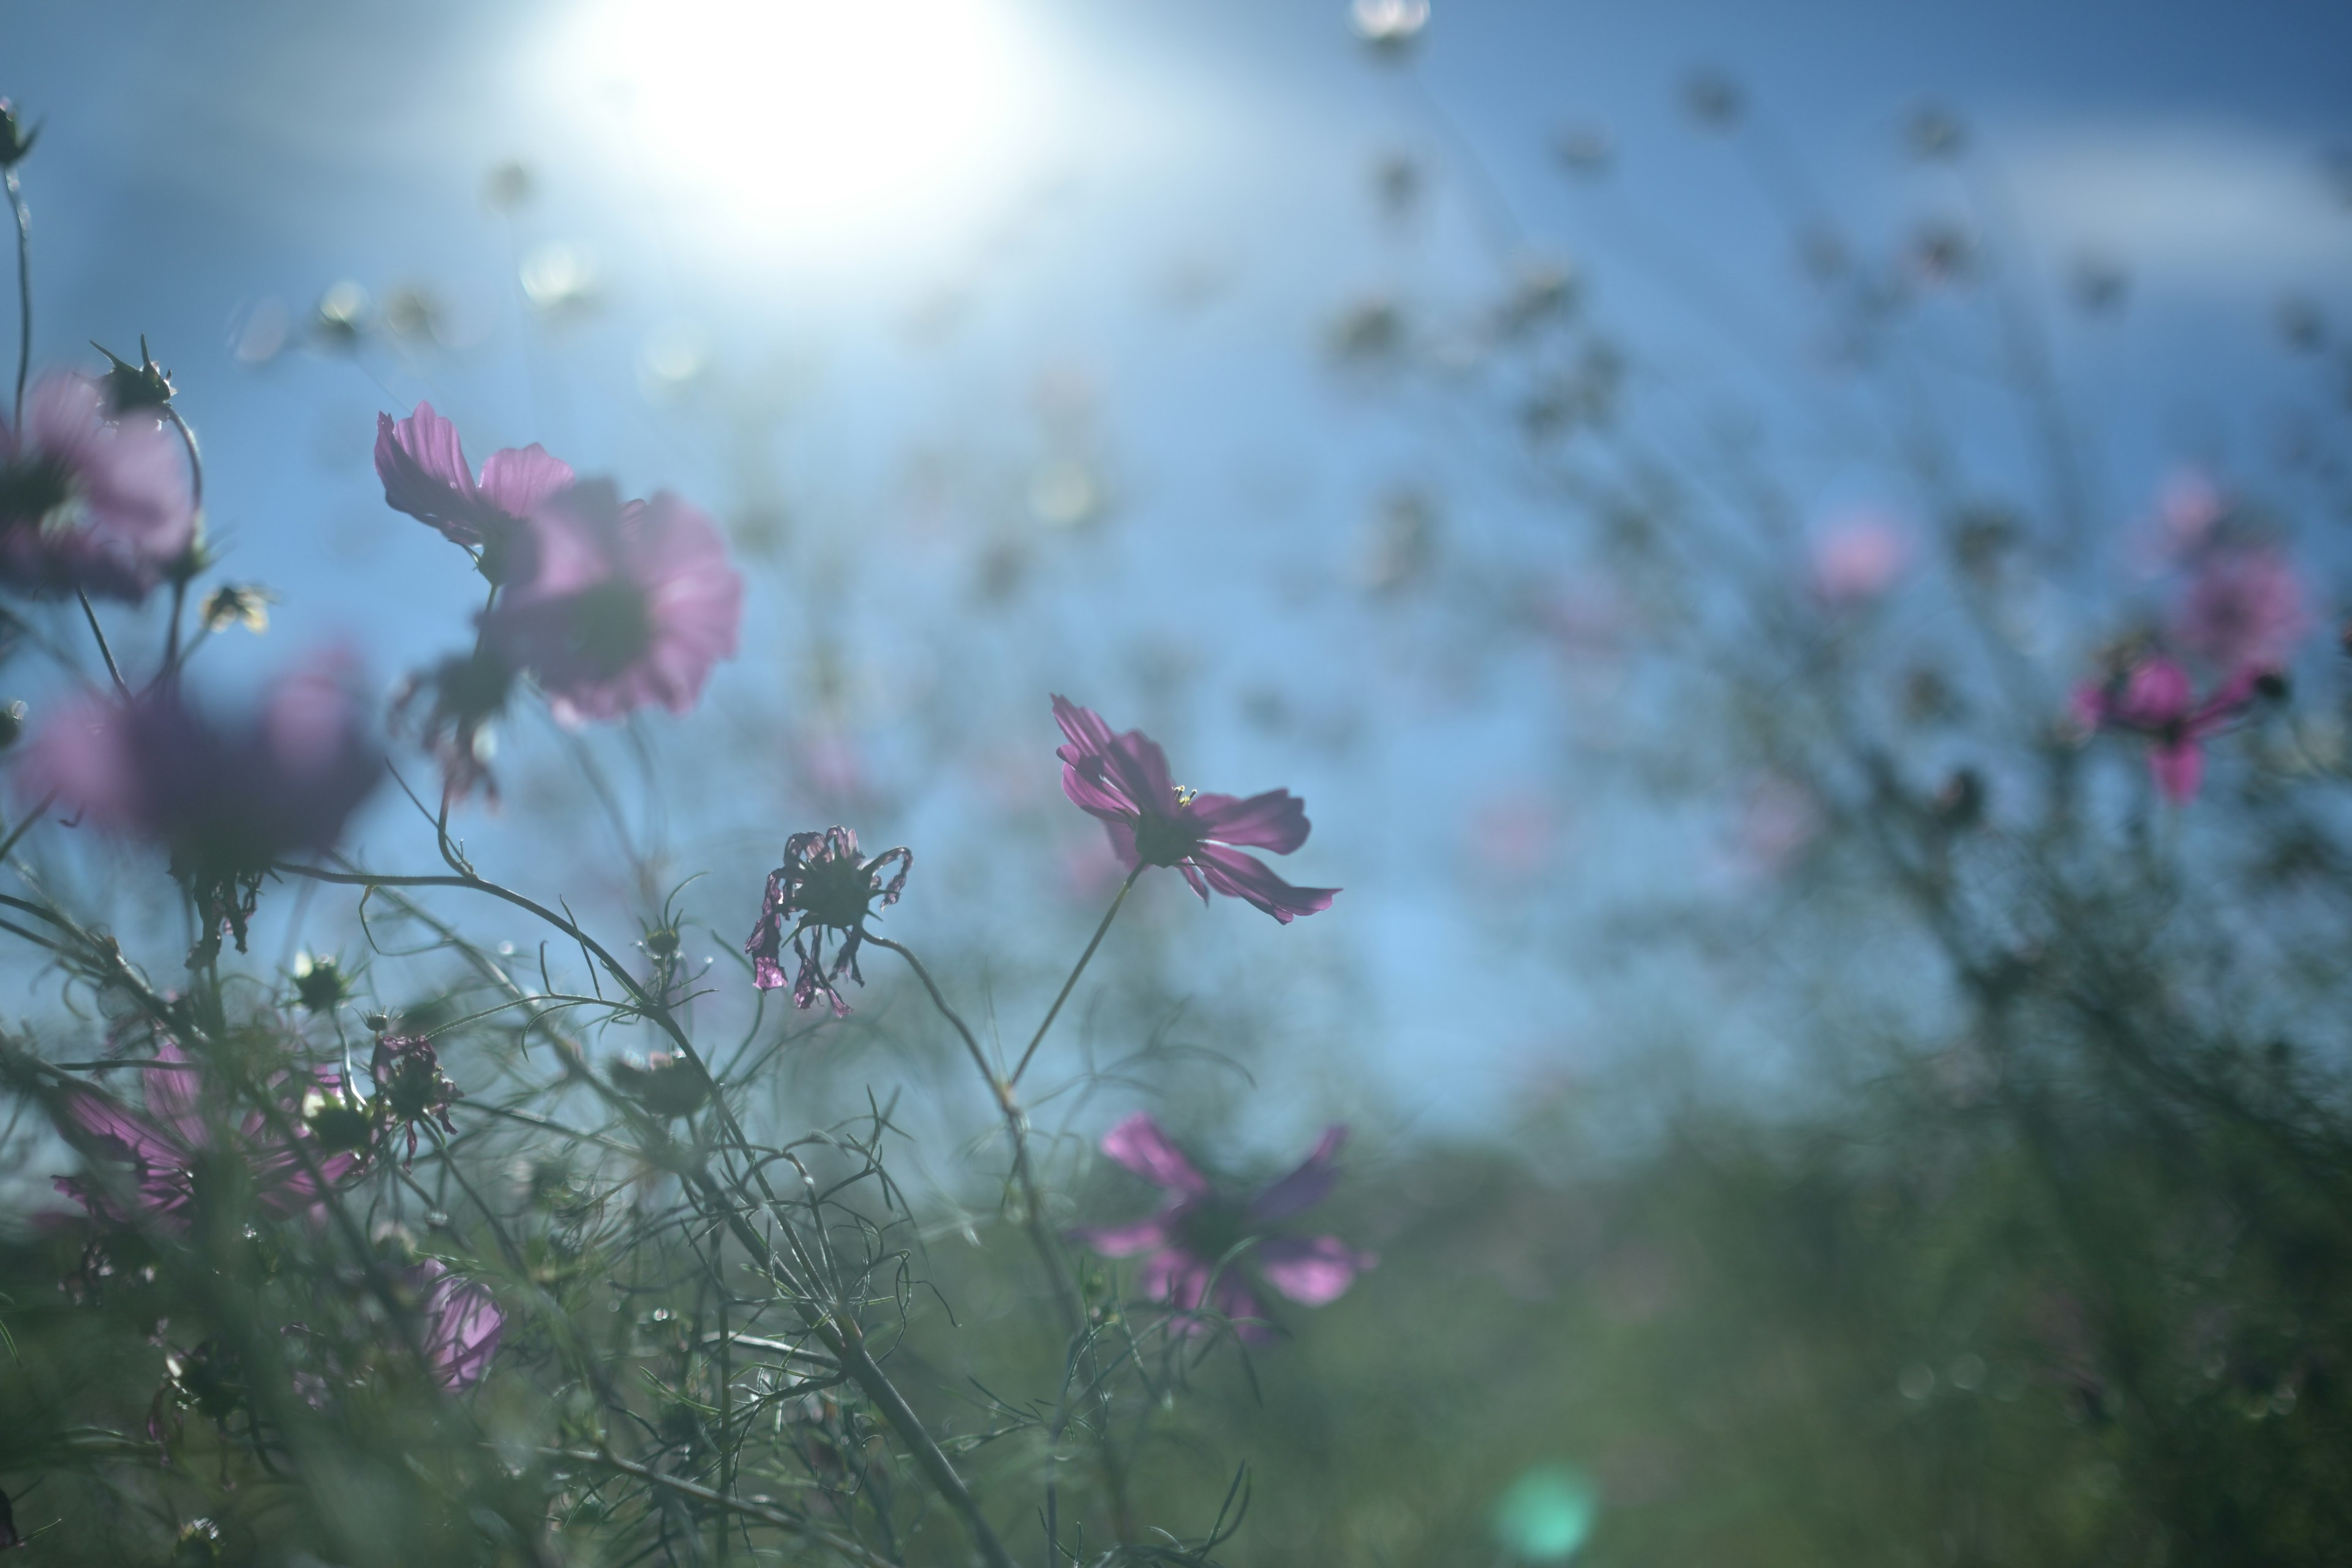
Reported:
(1102, 246)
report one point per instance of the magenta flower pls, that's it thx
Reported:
(425, 474)
(89, 503)
(625, 602)
(1196, 1247)
(2156, 702)
(226, 799)
(2244, 609)
(822, 887)
(174, 1157)
(1123, 781)
(461, 1322)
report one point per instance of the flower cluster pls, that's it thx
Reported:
(823, 886)
(1203, 1247)
(410, 1086)
(608, 605)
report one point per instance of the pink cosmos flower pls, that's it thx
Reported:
(823, 886)
(1193, 1250)
(88, 501)
(1123, 780)
(1857, 558)
(174, 1158)
(410, 1086)
(425, 474)
(462, 1323)
(2244, 609)
(2156, 702)
(625, 602)
(226, 799)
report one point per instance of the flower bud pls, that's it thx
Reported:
(14, 139)
(128, 386)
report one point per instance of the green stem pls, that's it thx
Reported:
(1055, 1012)
(24, 293)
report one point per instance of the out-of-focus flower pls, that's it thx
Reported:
(2244, 607)
(226, 800)
(1388, 24)
(2188, 506)
(664, 1083)
(236, 603)
(823, 886)
(1586, 150)
(1547, 1514)
(559, 281)
(89, 503)
(1713, 99)
(1122, 781)
(410, 1086)
(320, 983)
(1194, 1249)
(462, 1323)
(341, 317)
(2157, 700)
(626, 604)
(1933, 131)
(425, 474)
(176, 1160)
(468, 693)
(1857, 558)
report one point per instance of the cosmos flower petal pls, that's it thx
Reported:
(422, 467)
(2158, 694)
(1141, 1145)
(1246, 877)
(1123, 1240)
(1305, 1187)
(1275, 820)
(1311, 1271)
(515, 480)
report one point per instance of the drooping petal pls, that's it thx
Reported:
(1141, 1145)
(1311, 1269)
(425, 473)
(2179, 768)
(1246, 877)
(1305, 1187)
(1123, 1240)
(1275, 820)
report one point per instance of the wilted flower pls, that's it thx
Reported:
(226, 800)
(175, 1160)
(626, 603)
(2157, 700)
(410, 1086)
(2244, 607)
(462, 1323)
(822, 887)
(89, 503)
(425, 474)
(1123, 781)
(1195, 1247)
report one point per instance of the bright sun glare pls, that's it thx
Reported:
(836, 118)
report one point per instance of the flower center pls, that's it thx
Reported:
(607, 628)
(1164, 838)
(836, 891)
(1214, 1227)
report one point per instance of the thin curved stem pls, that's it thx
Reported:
(104, 652)
(24, 294)
(1085, 958)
